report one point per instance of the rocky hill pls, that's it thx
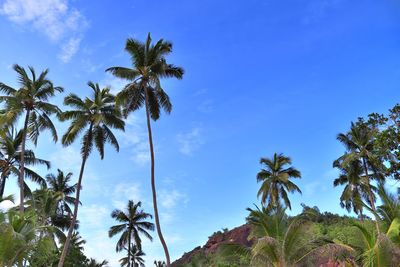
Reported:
(238, 235)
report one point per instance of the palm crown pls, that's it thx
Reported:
(31, 98)
(98, 114)
(149, 66)
(133, 224)
(10, 155)
(275, 178)
(60, 186)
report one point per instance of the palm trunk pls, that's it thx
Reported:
(371, 199)
(76, 205)
(22, 164)
(3, 184)
(129, 247)
(153, 183)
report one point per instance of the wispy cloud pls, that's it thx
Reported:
(190, 141)
(54, 18)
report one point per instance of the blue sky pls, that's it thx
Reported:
(261, 77)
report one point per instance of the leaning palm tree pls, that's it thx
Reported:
(275, 178)
(133, 223)
(356, 188)
(359, 143)
(149, 66)
(10, 158)
(31, 98)
(136, 258)
(60, 186)
(95, 116)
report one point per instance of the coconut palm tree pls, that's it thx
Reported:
(279, 241)
(95, 116)
(359, 144)
(10, 156)
(275, 178)
(60, 186)
(133, 223)
(136, 258)
(31, 98)
(94, 263)
(356, 188)
(159, 264)
(149, 66)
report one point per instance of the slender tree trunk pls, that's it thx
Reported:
(3, 184)
(153, 183)
(76, 205)
(370, 195)
(129, 247)
(22, 164)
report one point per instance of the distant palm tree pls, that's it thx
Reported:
(94, 263)
(356, 188)
(10, 156)
(149, 66)
(31, 98)
(136, 256)
(133, 223)
(60, 186)
(159, 264)
(275, 178)
(95, 116)
(359, 144)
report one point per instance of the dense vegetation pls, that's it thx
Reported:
(43, 229)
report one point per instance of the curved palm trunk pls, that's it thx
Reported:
(76, 205)
(153, 183)
(22, 164)
(371, 199)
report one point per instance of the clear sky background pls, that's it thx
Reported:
(261, 77)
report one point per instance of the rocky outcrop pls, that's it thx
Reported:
(238, 235)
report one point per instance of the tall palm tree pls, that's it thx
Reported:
(149, 66)
(275, 177)
(10, 158)
(31, 98)
(136, 258)
(60, 186)
(95, 116)
(356, 188)
(359, 144)
(133, 223)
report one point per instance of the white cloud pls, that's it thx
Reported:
(54, 18)
(69, 49)
(93, 215)
(124, 192)
(169, 199)
(191, 141)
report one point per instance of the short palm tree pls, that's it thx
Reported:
(279, 241)
(94, 263)
(136, 258)
(31, 98)
(149, 66)
(275, 178)
(60, 186)
(159, 264)
(355, 190)
(95, 116)
(10, 156)
(133, 223)
(359, 144)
